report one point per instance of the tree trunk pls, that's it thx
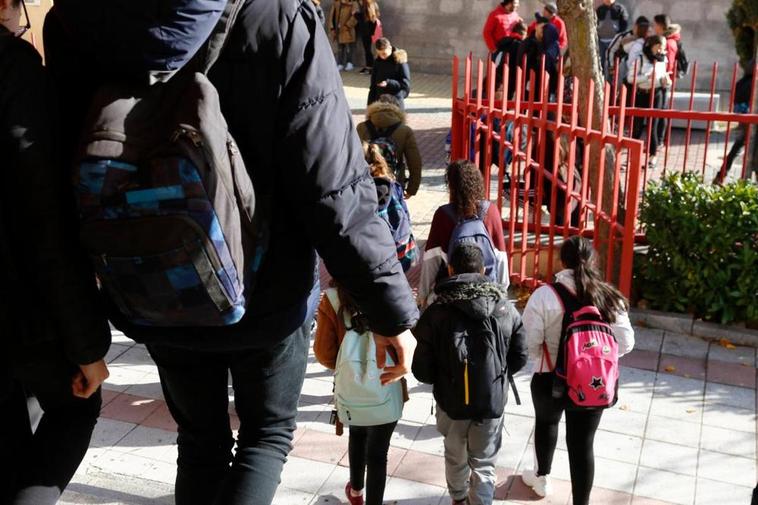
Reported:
(581, 25)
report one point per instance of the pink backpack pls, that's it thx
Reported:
(588, 360)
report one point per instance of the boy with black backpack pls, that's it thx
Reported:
(470, 342)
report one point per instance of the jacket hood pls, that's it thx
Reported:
(125, 35)
(383, 115)
(473, 294)
(400, 55)
(674, 31)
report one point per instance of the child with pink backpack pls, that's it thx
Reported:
(576, 330)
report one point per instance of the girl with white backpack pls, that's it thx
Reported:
(344, 343)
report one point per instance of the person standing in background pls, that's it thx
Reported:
(368, 21)
(612, 19)
(391, 74)
(500, 23)
(342, 23)
(550, 11)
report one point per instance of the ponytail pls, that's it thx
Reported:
(378, 166)
(577, 254)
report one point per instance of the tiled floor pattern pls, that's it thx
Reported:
(684, 431)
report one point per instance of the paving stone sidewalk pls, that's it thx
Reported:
(683, 432)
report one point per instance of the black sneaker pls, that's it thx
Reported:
(365, 70)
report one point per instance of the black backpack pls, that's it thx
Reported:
(682, 62)
(477, 372)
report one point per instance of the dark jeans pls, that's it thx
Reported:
(642, 100)
(581, 426)
(267, 384)
(38, 466)
(367, 451)
(366, 31)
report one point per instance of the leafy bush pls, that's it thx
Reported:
(703, 256)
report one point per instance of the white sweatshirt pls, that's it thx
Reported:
(543, 318)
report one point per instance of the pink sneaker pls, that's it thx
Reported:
(353, 500)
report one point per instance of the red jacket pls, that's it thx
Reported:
(443, 225)
(673, 36)
(498, 26)
(560, 25)
(562, 34)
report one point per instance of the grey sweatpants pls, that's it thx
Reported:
(470, 453)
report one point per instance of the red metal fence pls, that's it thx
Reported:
(536, 155)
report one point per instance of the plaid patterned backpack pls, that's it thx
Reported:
(167, 208)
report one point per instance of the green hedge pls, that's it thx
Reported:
(703, 256)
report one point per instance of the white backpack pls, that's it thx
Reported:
(359, 397)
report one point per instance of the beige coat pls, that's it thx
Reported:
(342, 21)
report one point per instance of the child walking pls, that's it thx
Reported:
(544, 322)
(470, 340)
(344, 340)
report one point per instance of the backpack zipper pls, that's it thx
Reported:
(465, 382)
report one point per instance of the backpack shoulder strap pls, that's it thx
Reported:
(334, 300)
(372, 131)
(391, 129)
(211, 50)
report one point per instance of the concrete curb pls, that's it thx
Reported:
(688, 325)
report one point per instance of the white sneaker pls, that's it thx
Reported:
(349, 67)
(340, 68)
(540, 485)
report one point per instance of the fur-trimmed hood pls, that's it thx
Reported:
(384, 115)
(400, 55)
(673, 30)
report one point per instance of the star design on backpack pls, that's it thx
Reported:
(589, 345)
(597, 383)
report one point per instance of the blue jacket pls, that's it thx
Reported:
(284, 103)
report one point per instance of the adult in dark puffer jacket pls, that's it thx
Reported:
(53, 334)
(391, 74)
(277, 65)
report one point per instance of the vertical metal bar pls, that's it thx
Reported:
(722, 174)
(749, 127)
(666, 140)
(478, 123)
(627, 246)
(650, 119)
(542, 133)
(710, 109)
(688, 135)
(456, 123)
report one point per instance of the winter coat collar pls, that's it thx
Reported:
(384, 115)
(400, 56)
(472, 294)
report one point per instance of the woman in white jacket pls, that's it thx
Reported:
(543, 318)
(651, 77)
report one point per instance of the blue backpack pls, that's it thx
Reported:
(395, 213)
(472, 230)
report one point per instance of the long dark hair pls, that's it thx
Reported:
(577, 254)
(466, 186)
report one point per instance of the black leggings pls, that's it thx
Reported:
(367, 450)
(581, 426)
(366, 33)
(642, 100)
